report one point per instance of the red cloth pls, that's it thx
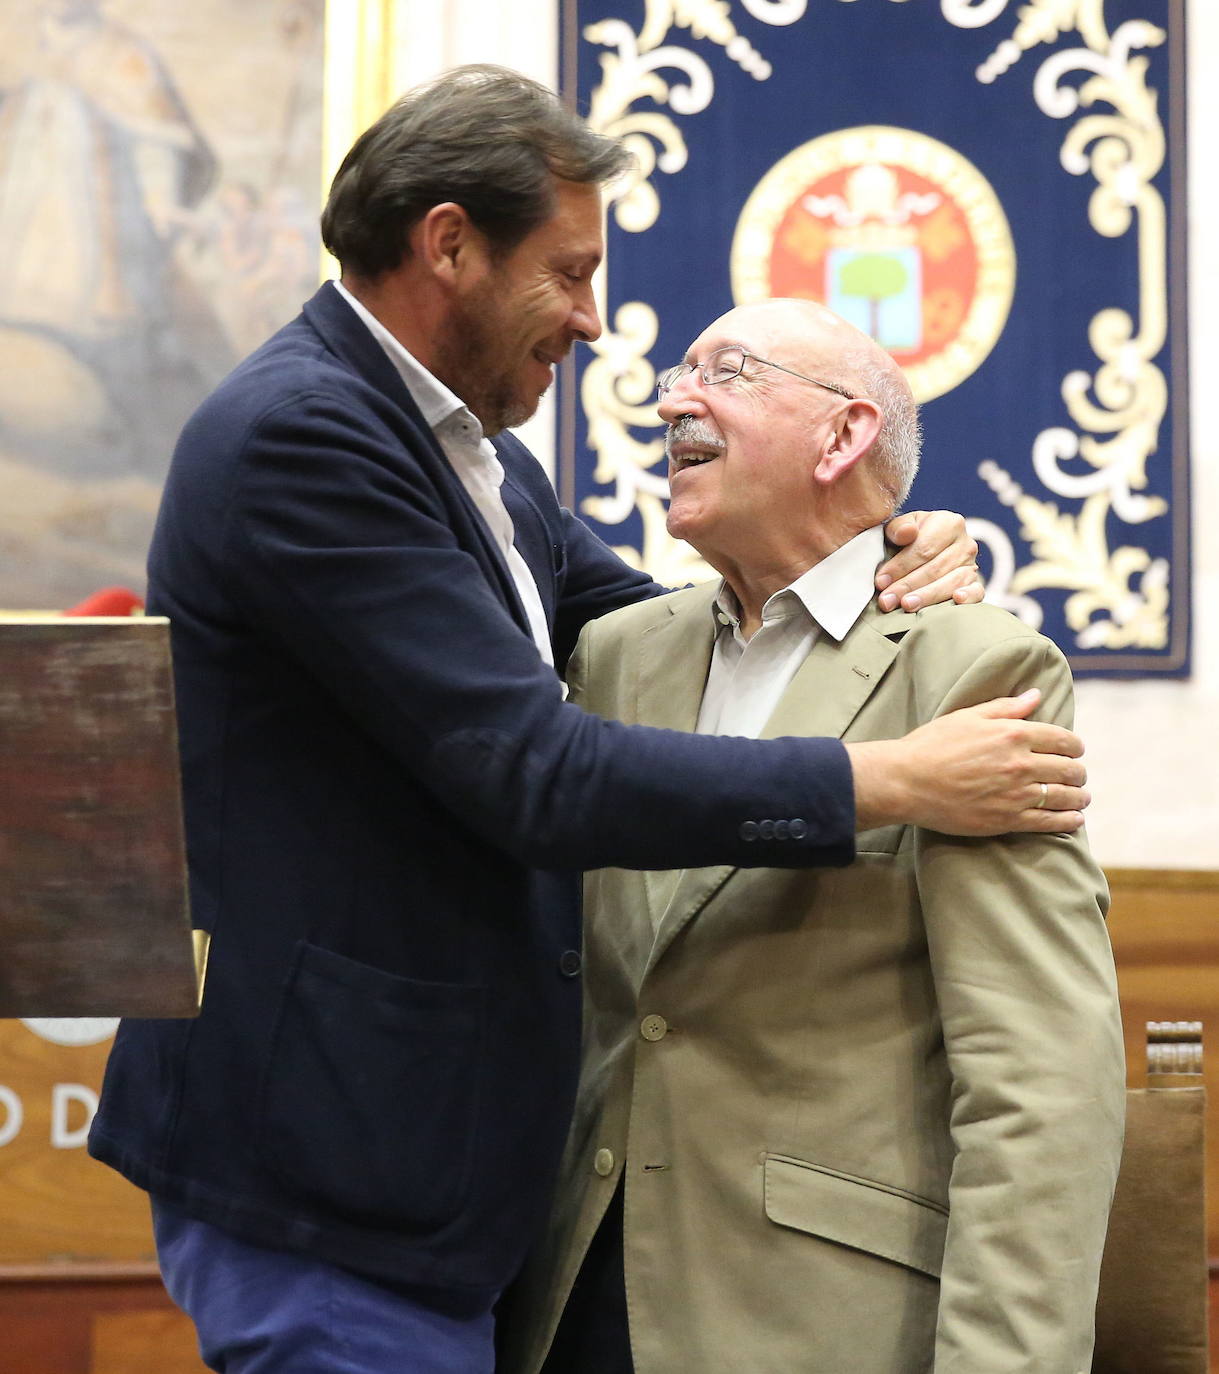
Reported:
(108, 601)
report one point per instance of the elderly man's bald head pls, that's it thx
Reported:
(811, 339)
(790, 431)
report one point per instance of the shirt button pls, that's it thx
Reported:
(798, 829)
(653, 1028)
(603, 1162)
(569, 963)
(766, 829)
(748, 830)
(724, 619)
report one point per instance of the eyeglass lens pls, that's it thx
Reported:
(721, 366)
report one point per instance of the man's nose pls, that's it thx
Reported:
(684, 397)
(585, 322)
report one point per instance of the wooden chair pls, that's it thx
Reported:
(1151, 1317)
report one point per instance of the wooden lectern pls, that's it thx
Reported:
(94, 915)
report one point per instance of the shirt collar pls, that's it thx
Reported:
(834, 591)
(436, 402)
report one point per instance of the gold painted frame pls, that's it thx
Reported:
(362, 77)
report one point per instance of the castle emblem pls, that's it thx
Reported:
(897, 233)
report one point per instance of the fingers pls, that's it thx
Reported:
(1012, 707)
(1039, 737)
(1057, 808)
(973, 591)
(1048, 822)
(1056, 771)
(938, 562)
(1043, 738)
(921, 562)
(903, 529)
(960, 584)
(1061, 796)
(977, 771)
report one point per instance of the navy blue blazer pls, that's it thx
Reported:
(387, 804)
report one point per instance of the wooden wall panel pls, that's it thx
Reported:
(1165, 931)
(56, 1202)
(151, 1339)
(73, 1302)
(87, 1323)
(1214, 1322)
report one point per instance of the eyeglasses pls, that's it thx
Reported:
(725, 364)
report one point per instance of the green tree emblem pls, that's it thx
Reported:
(874, 277)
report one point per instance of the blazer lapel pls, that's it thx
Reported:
(827, 693)
(836, 679)
(345, 334)
(674, 656)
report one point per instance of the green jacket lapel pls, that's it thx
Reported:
(836, 679)
(674, 656)
(828, 691)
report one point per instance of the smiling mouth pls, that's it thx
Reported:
(681, 459)
(690, 443)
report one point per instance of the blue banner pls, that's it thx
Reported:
(994, 189)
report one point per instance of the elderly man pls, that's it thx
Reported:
(865, 1121)
(387, 799)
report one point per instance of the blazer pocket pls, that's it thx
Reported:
(852, 1211)
(369, 1106)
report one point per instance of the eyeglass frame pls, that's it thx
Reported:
(668, 379)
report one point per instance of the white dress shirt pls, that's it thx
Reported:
(471, 457)
(748, 676)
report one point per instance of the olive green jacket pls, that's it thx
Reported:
(869, 1118)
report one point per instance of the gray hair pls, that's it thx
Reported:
(893, 458)
(486, 138)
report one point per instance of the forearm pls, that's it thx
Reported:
(978, 769)
(883, 793)
(377, 600)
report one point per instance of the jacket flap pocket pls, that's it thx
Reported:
(852, 1211)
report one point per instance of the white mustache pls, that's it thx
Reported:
(691, 430)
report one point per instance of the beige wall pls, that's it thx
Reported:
(1153, 747)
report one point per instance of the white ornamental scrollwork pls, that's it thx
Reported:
(617, 390)
(1119, 597)
(1071, 552)
(994, 538)
(631, 72)
(972, 14)
(776, 11)
(617, 386)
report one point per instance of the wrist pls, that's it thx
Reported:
(882, 794)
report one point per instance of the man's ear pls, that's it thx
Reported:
(854, 432)
(447, 243)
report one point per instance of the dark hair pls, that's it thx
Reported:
(487, 138)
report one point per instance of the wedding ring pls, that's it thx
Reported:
(1041, 800)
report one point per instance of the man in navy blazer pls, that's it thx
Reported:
(388, 801)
